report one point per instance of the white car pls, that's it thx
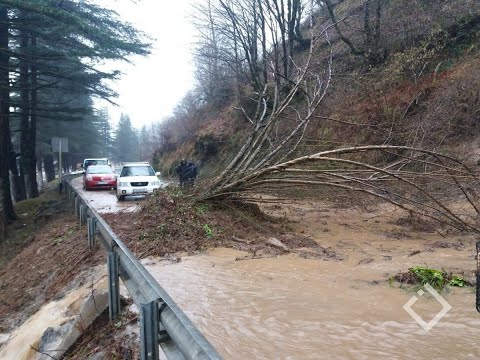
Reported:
(137, 179)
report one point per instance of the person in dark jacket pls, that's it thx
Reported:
(181, 171)
(191, 173)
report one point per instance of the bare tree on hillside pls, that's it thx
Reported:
(188, 114)
(164, 135)
(213, 74)
(279, 123)
(370, 46)
(242, 41)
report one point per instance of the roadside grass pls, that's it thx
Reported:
(32, 214)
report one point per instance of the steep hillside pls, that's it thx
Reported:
(418, 84)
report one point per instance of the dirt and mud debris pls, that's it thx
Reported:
(53, 257)
(398, 234)
(169, 224)
(415, 223)
(367, 260)
(406, 278)
(320, 253)
(277, 244)
(440, 244)
(107, 339)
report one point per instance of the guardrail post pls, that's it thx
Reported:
(91, 229)
(149, 317)
(83, 214)
(76, 204)
(113, 285)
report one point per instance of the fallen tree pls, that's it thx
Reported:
(423, 182)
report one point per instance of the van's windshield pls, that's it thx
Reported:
(87, 163)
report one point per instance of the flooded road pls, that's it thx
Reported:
(292, 308)
(105, 201)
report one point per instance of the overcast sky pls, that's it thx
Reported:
(152, 86)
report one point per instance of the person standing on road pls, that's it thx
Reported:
(191, 173)
(181, 171)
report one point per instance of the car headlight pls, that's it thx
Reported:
(124, 184)
(89, 177)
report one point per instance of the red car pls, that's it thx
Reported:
(99, 177)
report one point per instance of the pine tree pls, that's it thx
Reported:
(126, 141)
(105, 131)
(146, 148)
(6, 212)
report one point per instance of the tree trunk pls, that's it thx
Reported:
(366, 25)
(19, 192)
(7, 212)
(25, 117)
(4, 118)
(347, 41)
(264, 45)
(3, 220)
(49, 167)
(32, 156)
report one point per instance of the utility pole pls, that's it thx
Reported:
(60, 145)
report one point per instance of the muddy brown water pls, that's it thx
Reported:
(293, 308)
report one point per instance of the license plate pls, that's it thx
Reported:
(139, 191)
(102, 183)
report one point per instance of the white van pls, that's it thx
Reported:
(99, 161)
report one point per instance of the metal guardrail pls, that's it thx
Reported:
(162, 322)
